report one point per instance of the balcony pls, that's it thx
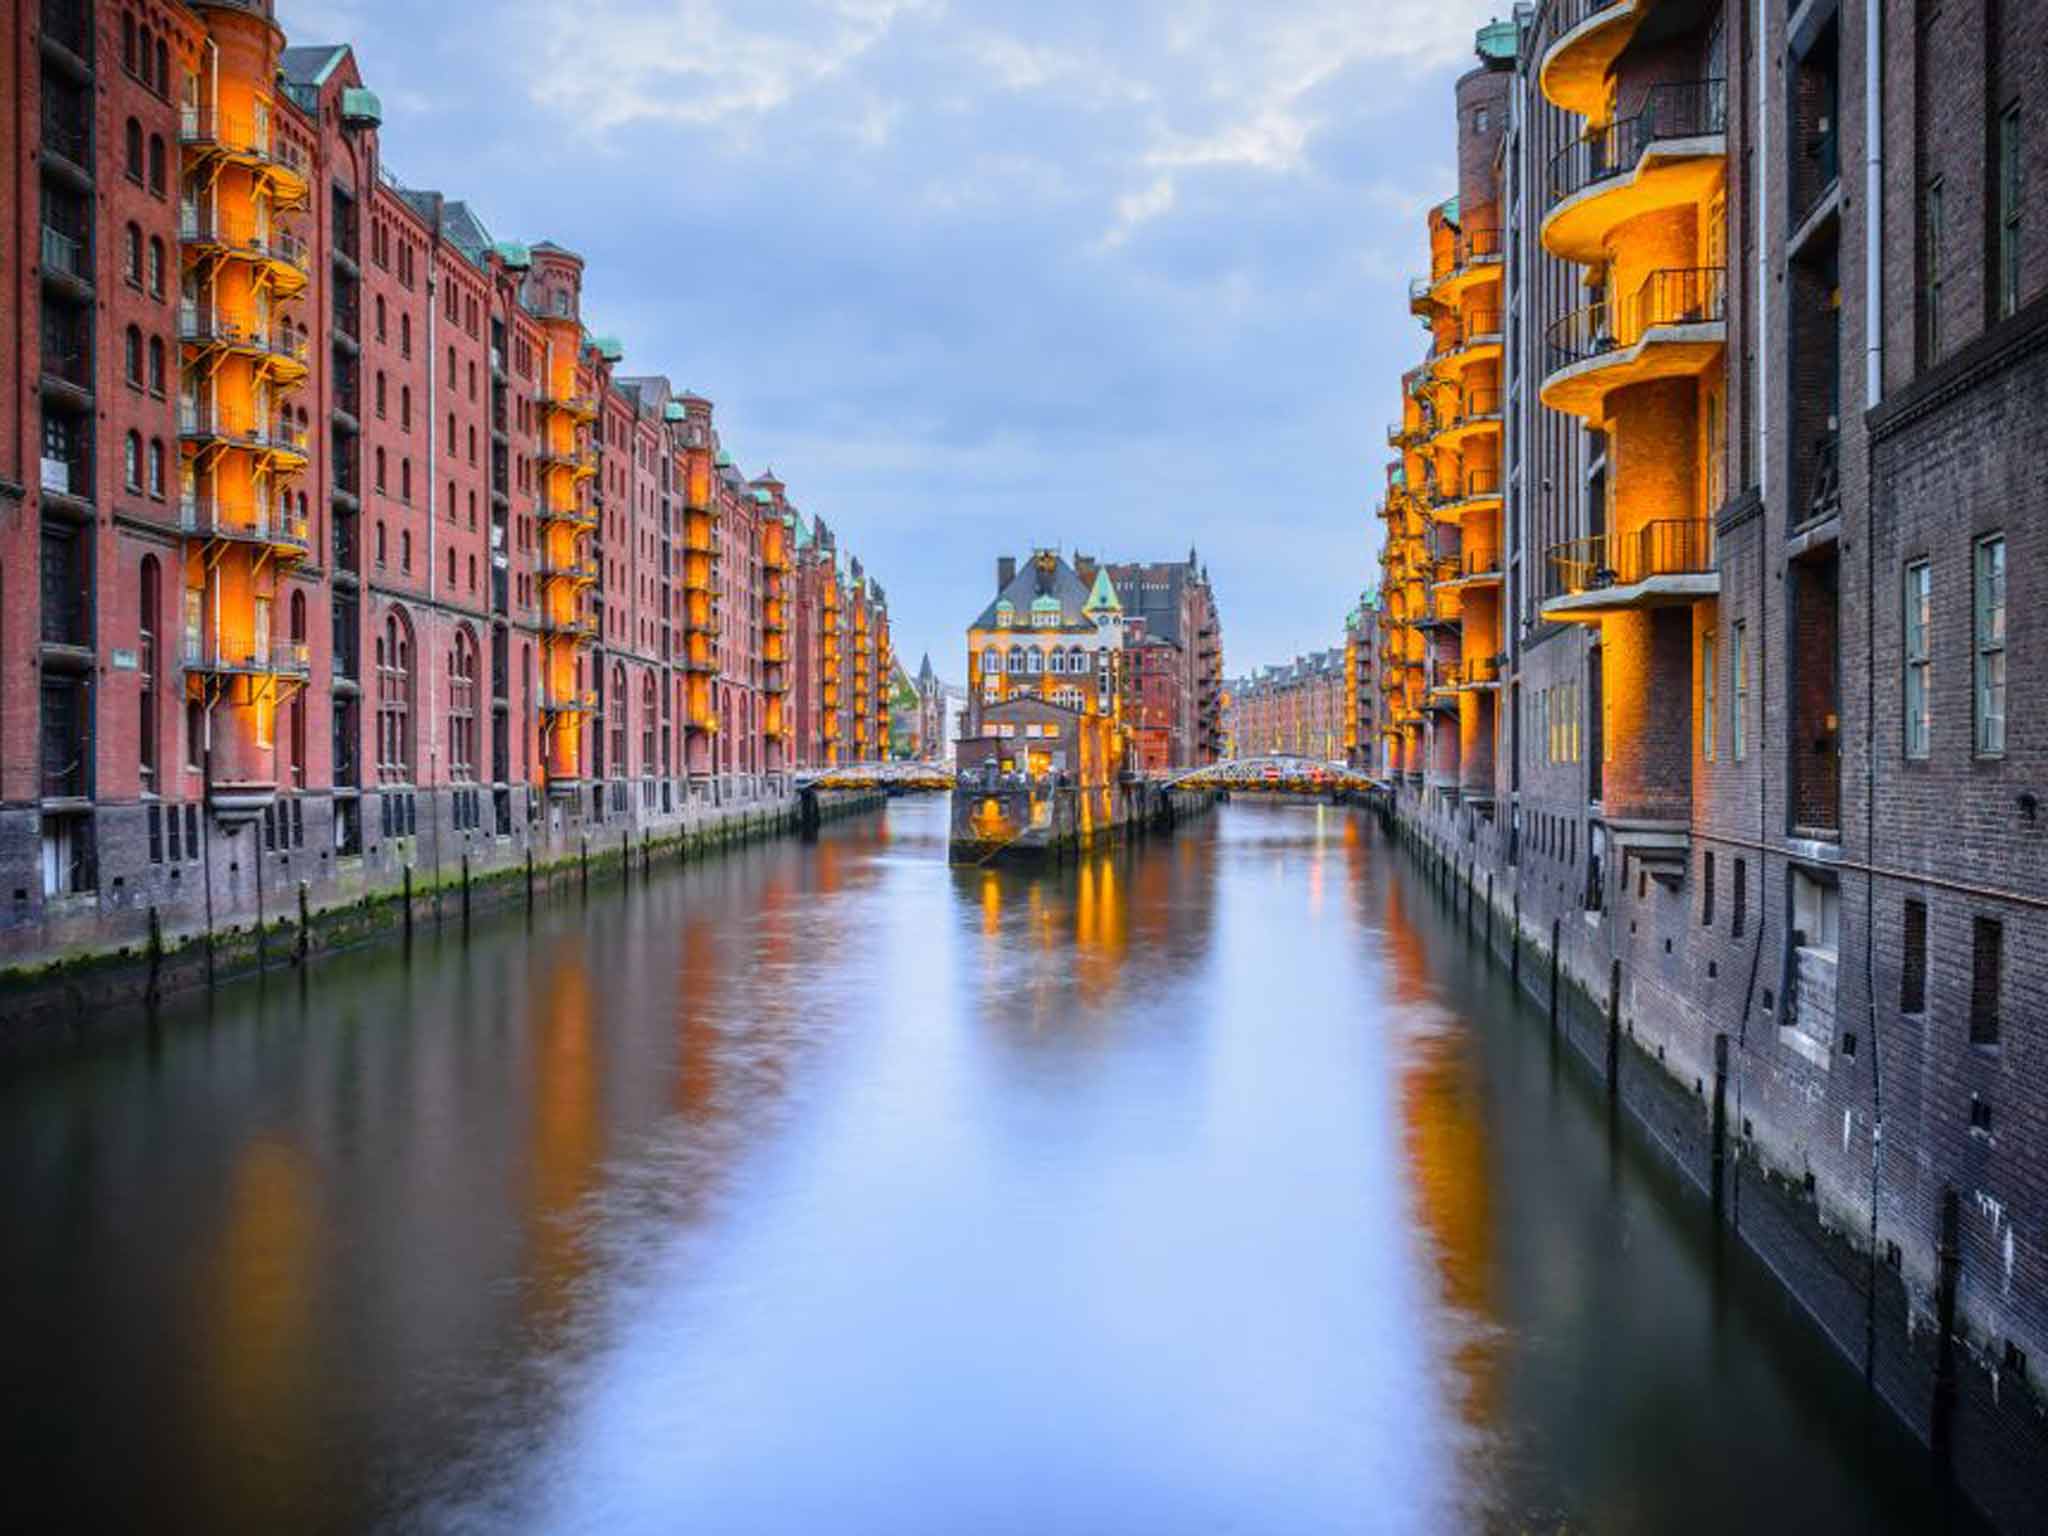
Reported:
(1476, 338)
(1477, 491)
(1581, 40)
(1671, 154)
(1673, 326)
(578, 570)
(581, 462)
(577, 407)
(569, 513)
(68, 23)
(213, 134)
(277, 529)
(67, 260)
(1476, 258)
(281, 253)
(1475, 674)
(210, 431)
(577, 701)
(1476, 412)
(248, 658)
(1475, 568)
(1664, 563)
(567, 626)
(283, 351)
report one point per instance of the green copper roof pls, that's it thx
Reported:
(724, 460)
(1102, 598)
(610, 348)
(673, 411)
(1045, 603)
(762, 497)
(1450, 207)
(514, 254)
(1497, 40)
(360, 105)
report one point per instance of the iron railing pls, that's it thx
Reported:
(277, 658)
(1563, 15)
(1672, 296)
(216, 517)
(1681, 110)
(68, 254)
(1664, 547)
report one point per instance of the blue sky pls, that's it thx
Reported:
(976, 276)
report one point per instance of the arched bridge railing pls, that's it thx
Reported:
(1274, 776)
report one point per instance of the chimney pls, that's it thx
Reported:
(1006, 571)
(1084, 567)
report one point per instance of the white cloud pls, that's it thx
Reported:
(1140, 207)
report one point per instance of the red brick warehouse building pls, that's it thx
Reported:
(332, 541)
(1712, 577)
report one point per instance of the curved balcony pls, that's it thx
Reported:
(1475, 568)
(1671, 154)
(280, 254)
(1476, 413)
(248, 658)
(282, 532)
(1673, 326)
(1662, 564)
(581, 462)
(1476, 258)
(1477, 491)
(281, 351)
(1581, 40)
(1475, 674)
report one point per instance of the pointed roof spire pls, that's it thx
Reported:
(1103, 598)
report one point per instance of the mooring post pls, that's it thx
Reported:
(1720, 1119)
(305, 921)
(408, 906)
(465, 893)
(156, 956)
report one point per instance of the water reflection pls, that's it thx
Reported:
(1210, 1183)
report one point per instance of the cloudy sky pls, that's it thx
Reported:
(977, 275)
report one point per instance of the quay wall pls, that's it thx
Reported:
(1924, 1315)
(280, 909)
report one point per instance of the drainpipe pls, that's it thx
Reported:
(426, 668)
(1873, 393)
(1763, 281)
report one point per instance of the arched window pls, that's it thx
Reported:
(462, 670)
(131, 461)
(617, 707)
(149, 608)
(134, 146)
(394, 700)
(132, 255)
(405, 549)
(405, 335)
(156, 365)
(129, 57)
(405, 407)
(157, 173)
(296, 729)
(380, 463)
(132, 356)
(1015, 662)
(472, 575)
(156, 267)
(1034, 661)
(381, 546)
(648, 709)
(380, 336)
(991, 661)
(163, 68)
(405, 481)
(156, 468)
(451, 568)
(140, 63)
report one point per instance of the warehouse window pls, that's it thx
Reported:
(1919, 662)
(1987, 955)
(1913, 962)
(1990, 646)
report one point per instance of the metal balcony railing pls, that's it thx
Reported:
(1479, 405)
(71, 140)
(277, 658)
(1665, 547)
(71, 364)
(202, 226)
(1563, 15)
(202, 326)
(203, 421)
(215, 517)
(1683, 110)
(1672, 296)
(68, 254)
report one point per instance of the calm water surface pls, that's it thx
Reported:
(1215, 1186)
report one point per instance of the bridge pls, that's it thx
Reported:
(890, 778)
(1274, 776)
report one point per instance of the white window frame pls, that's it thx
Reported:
(1738, 665)
(1917, 662)
(1707, 696)
(1989, 635)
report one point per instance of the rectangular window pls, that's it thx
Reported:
(1707, 892)
(1738, 722)
(1990, 646)
(1987, 954)
(1913, 963)
(2008, 277)
(1931, 219)
(1918, 660)
(1741, 897)
(1707, 699)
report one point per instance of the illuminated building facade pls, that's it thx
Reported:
(1294, 710)
(332, 541)
(1708, 511)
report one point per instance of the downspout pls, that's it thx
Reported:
(1762, 169)
(433, 440)
(1873, 395)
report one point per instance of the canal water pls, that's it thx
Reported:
(1216, 1185)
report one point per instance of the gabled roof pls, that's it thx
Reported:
(1043, 575)
(1102, 598)
(310, 64)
